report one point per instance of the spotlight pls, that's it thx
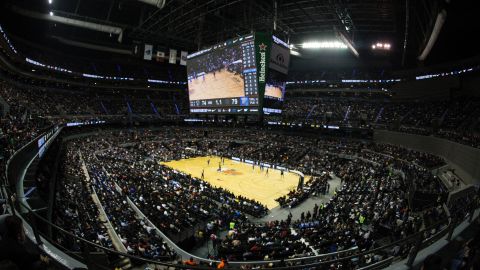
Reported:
(292, 52)
(381, 46)
(324, 45)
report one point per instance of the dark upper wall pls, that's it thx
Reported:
(471, 85)
(426, 89)
(467, 84)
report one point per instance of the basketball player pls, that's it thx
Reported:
(208, 162)
(266, 173)
(281, 173)
(203, 173)
(219, 166)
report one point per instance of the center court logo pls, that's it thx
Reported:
(228, 171)
(263, 62)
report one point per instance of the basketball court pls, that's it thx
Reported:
(223, 84)
(239, 178)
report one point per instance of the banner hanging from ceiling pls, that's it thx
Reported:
(183, 58)
(173, 56)
(147, 53)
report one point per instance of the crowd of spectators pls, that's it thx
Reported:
(370, 204)
(21, 124)
(455, 120)
(74, 208)
(154, 187)
(134, 233)
(317, 185)
(422, 159)
(53, 102)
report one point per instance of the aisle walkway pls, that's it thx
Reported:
(117, 243)
(207, 248)
(279, 213)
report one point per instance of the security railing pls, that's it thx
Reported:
(95, 256)
(90, 255)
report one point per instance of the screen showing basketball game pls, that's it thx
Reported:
(243, 75)
(274, 92)
(276, 77)
(223, 78)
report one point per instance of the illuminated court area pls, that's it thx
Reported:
(224, 84)
(239, 178)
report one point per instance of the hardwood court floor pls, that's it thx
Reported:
(224, 84)
(239, 178)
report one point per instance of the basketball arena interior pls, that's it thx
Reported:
(239, 134)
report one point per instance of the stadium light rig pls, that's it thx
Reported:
(381, 46)
(292, 52)
(324, 45)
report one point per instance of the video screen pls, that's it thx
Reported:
(223, 78)
(274, 92)
(277, 77)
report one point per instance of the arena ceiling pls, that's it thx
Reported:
(193, 24)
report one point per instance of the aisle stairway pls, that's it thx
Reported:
(122, 262)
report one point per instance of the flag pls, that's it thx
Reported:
(147, 53)
(173, 56)
(160, 57)
(183, 58)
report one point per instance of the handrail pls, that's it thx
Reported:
(381, 263)
(335, 255)
(97, 246)
(177, 248)
(20, 149)
(19, 189)
(410, 238)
